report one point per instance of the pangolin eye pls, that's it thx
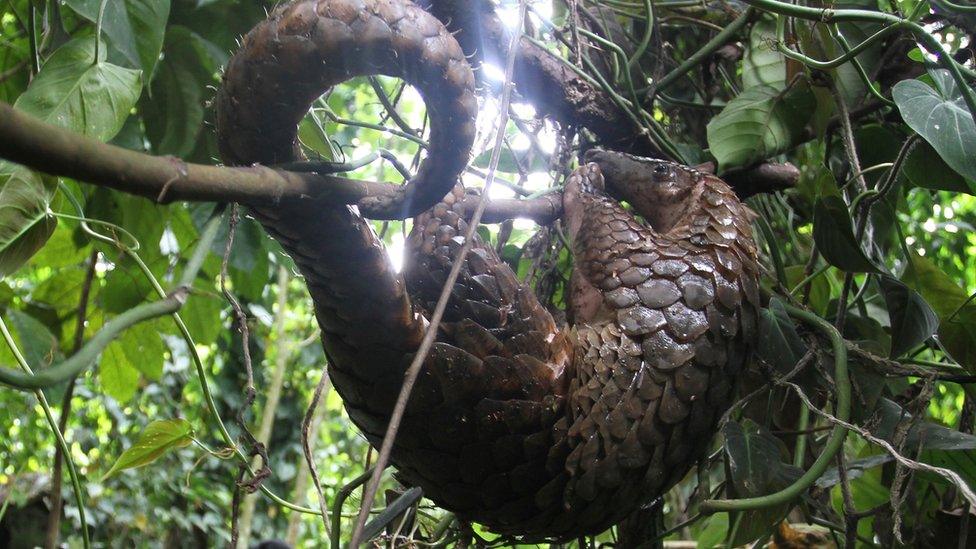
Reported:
(661, 171)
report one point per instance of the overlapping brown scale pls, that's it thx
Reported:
(652, 410)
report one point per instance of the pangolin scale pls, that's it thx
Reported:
(530, 428)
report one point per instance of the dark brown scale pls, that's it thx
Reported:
(691, 321)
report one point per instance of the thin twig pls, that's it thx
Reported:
(947, 474)
(320, 389)
(57, 478)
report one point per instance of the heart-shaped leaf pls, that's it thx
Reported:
(912, 319)
(925, 168)
(779, 344)
(762, 64)
(756, 468)
(834, 235)
(117, 374)
(135, 28)
(74, 92)
(940, 116)
(156, 439)
(25, 221)
(956, 311)
(760, 122)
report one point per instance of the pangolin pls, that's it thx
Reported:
(530, 428)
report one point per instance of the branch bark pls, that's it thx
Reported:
(52, 150)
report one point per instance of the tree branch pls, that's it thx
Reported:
(49, 149)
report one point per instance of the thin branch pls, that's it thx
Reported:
(54, 518)
(947, 474)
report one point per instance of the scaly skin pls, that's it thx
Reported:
(513, 423)
(664, 321)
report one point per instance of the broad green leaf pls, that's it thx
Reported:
(925, 168)
(834, 234)
(174, 114)
(127, 286)
(63, 249)
(912, 319)
(62, 290)
(940, 116)
(819, 287)
(715, 531)
(39, 346)
(118, 376)
(779, 344)
(762, 65)
(73, 92)
(144, 348)
(134, 28)
(25, 220)
(141, 217)
(756, 469)
(760, 122)
(855, 469)
(156, 439)
(202, 316)
(957, 329)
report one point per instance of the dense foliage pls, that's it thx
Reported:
(876, 238)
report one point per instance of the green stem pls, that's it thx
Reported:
(58, 435)
(708, 49)
(839, 36)
(98, 29)
(955, 7)
(827, 15)
(344, 493)
(89, 353)
(800, 449)
(646, 39)
(834, 442)
(774, 252)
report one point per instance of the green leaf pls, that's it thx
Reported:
(174, 116)
(834, 235)
(762, 64)
(72, 92)
(779, 344)
(912, 319)
(926, 169)
(118, 376)
(957, 329)
(144, 349)
(932, 443)
(62, 249)
(156, 439)
(940, 116)
(25, 220)
(760, 122)
(39, 346)
(819, 287)
(134, 28)
(756, 469)
(202, 316)
(715, 531)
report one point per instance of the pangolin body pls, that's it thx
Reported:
(514, 422)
